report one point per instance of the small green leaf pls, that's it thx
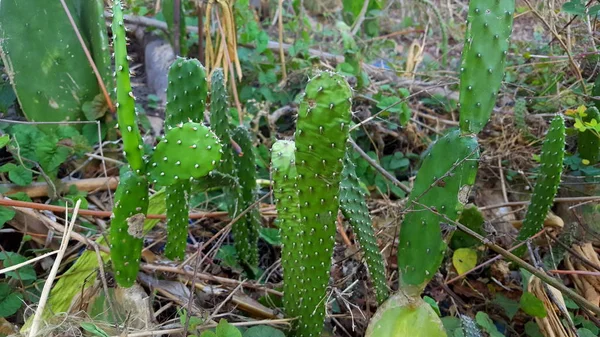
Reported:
(271, 235)
(25, 273)
(17, 174)
(228, 256)
(583, 332)
(486, 323)
(464, 259)
(511, 307)
(224, 329)
(208, 333)
(6, 214)
(532, 329)
(10, 301)
(263, 331)
(433, 304)
(92, 328)
(4, 139)
(532, 305)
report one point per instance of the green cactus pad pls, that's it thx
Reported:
(245, 231)
(489, 26)
(177, 219)
(219, 119)
(46, 65)
(186, 92)
(472, 218)
(187, 151)
(322, 129)
(403, 316)
(283, 171)
(442, 184)
(588, 144)
(356, 211)
(546, 185)
(126, 115)
(94, 28)
(126, 228)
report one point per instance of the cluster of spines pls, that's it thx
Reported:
(126, 241)
(355, 210)
(126, 114)
(245, 230)
(131, 198)
(445, 177)
(322, 130)
(588, 143)
(489, 26)
(283, 173)
(546, 186)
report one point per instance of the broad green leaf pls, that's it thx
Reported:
(25, 273)
(17, 174)
(486, 323)
(224, 329)
(263, 331)
(4, 139)
(10, 301)
(532, 329)
(532, 305)
(6, 214)
(271, 235)
(583, 332)
(208, 333)
(511, 307)
(464, 259)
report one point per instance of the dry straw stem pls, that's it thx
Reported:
(37, 319)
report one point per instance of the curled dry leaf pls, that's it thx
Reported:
(551, 325)
(587, 285)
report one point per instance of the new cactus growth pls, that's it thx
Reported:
(473, 219)
(186, 92)
(285, 191)
(489, 25)
(322, 130)
(588, 143)
(405, 316)
(355, 210)
(439, 193)
(126, 115)
(126, 229)
(245, 230)
(546, 186)
(219, 119)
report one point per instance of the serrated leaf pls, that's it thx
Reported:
(464, 259)
(532, 305)
(10, 301)
(263, 331)
(224, 329)
(17, 174)
(25, 273)
(6, 214)
(50, 155)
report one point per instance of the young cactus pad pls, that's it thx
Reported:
(187, 151)
(322, 130)
(588, 143)
(404, 316)
(177, 219)
(132, 139)
(546, 185)
(489, 25)
(126, 228)
(245, 230)
(283, 171)
(441, 186)
(355, 210)
(219, 119)
(186, 92)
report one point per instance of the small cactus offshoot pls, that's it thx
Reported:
(546, 185)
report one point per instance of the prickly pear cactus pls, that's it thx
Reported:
(405, 316)
(588, 144)
(49, 73)
(489, 26)
(283, 171)
(245, 230)
(219, 119)
(187, 151)
(355, 210)
(177, 220)
(546, 185)
(94, 28)
(186, 92)
(132, 139)
(126, 228)
(442, 185)
(321, 134)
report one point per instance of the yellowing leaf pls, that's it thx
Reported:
(585, 161)
(464, 259)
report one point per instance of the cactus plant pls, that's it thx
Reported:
(186, 92)
(94, 28)
(126, 229)
(442, 185)
(64, 79)
(245, 231)
(405, 316)
(588, 143)
(546, 186)
(355, 210)
(288, 220)
(489, 25)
